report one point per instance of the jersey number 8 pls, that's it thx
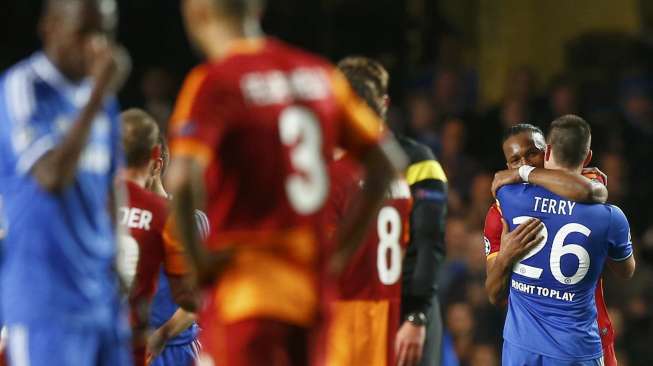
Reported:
(388, 228)
(558, 249)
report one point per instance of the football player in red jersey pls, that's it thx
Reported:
(251, 135)
(365, 318)
(524, 145)
(149, 243)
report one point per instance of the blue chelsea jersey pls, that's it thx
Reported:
(551, 308)
(59, 253)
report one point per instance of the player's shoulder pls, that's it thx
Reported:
(416, 152)
(422, 164)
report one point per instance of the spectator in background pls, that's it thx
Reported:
(422, 121)
(517, 106)
(447, 93)
(616, 168)
(562, 99)
(637, 136)
(484, 355)
(461, 325)
(159, 89)
(458, 165)
(480, 198)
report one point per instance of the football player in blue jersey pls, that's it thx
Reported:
(174, 339)
(551, 316)
(59, 152)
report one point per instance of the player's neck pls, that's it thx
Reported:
(137, 176)
(551, 164)
(219, 38)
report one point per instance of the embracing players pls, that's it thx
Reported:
(552, 318)
(524, 144)
(252, 132)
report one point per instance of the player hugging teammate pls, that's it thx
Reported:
(549, 266)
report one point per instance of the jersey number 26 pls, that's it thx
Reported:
(558, 249)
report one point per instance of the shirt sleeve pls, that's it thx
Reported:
(620, 246)
(492, 232)
(28, 135)
(196, 126)
(361, 128)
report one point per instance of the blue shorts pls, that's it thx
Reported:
(517, 356)
(178, 355)
(59, 346)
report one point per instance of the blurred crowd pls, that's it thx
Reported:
(441, 108)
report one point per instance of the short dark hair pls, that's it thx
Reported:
(368, 78)
(240, 9)
(140, 134)
(520, 128)
(570, 138)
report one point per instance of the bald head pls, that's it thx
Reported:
(140, 135)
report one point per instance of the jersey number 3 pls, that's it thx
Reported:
(307, 188)
(558, 249)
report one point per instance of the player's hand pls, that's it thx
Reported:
(409, 344)
(515, 244)
(212, 265)
(109, 64)
(505, 177)
(155, 345)
(595, 173)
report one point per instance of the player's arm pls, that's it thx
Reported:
(572, 186)
(621, 259)
(196, 130)
(380, 163)
(179, 322)
(381, 158)
(514, 245)
(623, 269)
(56, 168)
(427, 219)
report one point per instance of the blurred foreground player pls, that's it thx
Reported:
(59, 152)
(255, 126)
(552, 318)
(149, 244)
(524, 144)
(174, 339)
(418, 339)
(365, 319)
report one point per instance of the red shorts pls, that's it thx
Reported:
(255, 342)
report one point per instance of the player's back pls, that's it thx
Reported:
(142, 251)
(367, 315)
(277, 111)
(551, 308)
(264, 120)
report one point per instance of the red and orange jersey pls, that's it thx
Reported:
(148, 244)
(366, 317)
(492, 231)
(263, 122)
